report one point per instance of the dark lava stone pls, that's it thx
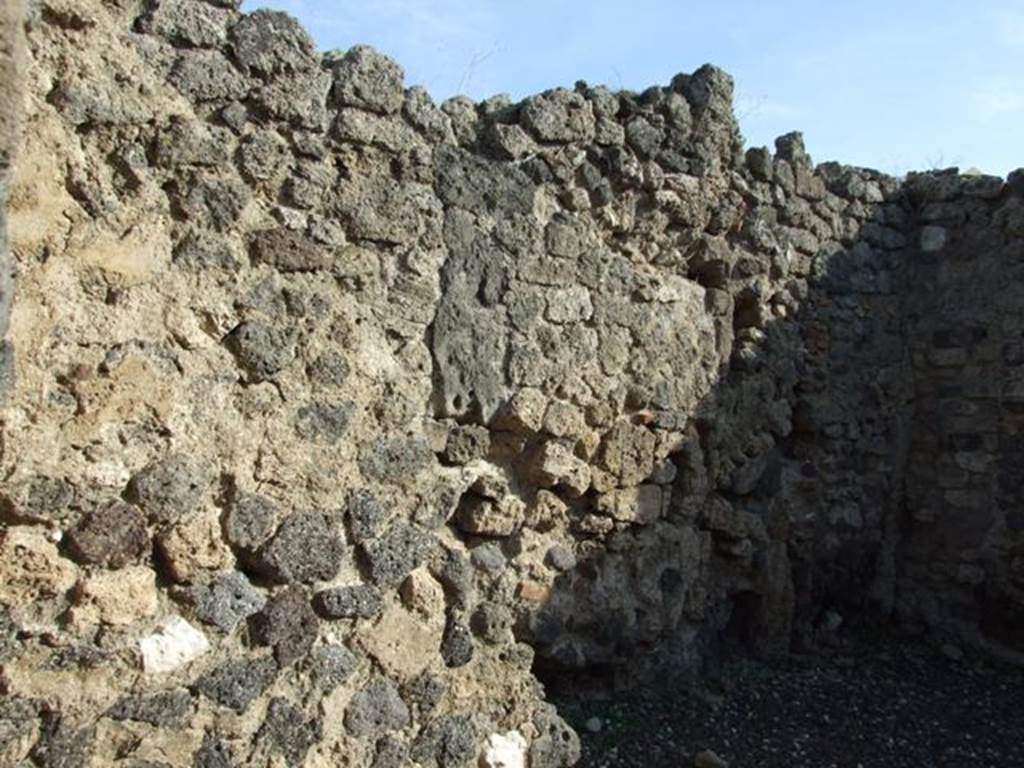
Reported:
(356, 602)
(250, 521)
(375, 709)
(449, 742)
(167, 489)
(395, 554)
(456, 643)
(288, 732)
(163, 709)
(213, 753)
(113, 535)
(307, 547)
(226, 600)
(288, 624)
(237, 683)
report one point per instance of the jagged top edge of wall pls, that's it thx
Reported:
(708, 83)
(921, 183)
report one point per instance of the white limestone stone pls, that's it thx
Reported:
(173, 645)
(505, 750)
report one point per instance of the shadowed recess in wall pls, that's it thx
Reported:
(339, 415)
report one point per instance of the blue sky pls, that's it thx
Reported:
(896, 85)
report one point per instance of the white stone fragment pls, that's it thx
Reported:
(173, 645)
(505, 750)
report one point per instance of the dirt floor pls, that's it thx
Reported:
(879, 704)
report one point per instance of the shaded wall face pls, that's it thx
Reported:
(789, 481)
(961, 566)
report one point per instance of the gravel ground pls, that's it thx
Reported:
(881, 705)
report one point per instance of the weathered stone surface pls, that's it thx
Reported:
(37, 499)
(524, 412)
(288, 624)
(207, 76)
(18, 723)
(457, 642)
(163, 710)
(250, 521)
(425, 691)
(467, 443)
(332, 665)
(488, 557)
(330, 369)
(399, 550)
(557, 467)
(375, 709)
(487, 517)
(212, 201)
(306, 548)
(288, 732)
(202, 250)
(226, 600)
(642, 505)
(366, 79)
(422, 594)
(389, 752)
(324, 423)
(167, 489)
(402, 642)
(395, 459)
(9, 644)
(189, 23)
(557, 744)
(262, 350)
(471, 183)
(271, 42)
(99, 101)
(31, 568)
(289, 251)
(212, 753)
(238, 682)
(365, 515)
(559, 116)
(299, 100)
(381, 210)
(447, 742)
(118, 597)
(192, 548)
(113, 535)
(492, 623)
(63, 742)
(262, 156)
(356, 602)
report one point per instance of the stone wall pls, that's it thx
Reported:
(11, 61)
(961, 547)
(339, 413)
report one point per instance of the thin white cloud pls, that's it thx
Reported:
(998, 98)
